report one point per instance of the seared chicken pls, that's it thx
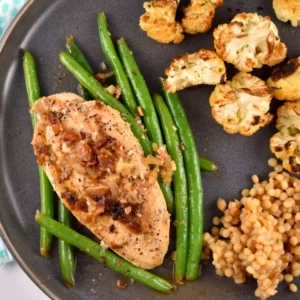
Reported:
(97, 168)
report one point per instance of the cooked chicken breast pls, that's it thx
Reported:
(98, 169)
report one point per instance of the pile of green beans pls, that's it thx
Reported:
(67, 254)
(164, 121)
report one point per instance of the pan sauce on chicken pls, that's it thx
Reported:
(98, 170)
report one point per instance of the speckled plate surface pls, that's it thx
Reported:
(42, 27)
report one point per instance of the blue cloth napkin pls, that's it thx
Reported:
(8, 10)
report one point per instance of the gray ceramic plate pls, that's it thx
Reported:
(42, 27)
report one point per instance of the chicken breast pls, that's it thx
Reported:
(97, 168)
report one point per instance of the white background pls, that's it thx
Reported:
(16, 285)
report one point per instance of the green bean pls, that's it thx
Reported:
(192, 168)
(106, 257)
(141, 91)
(77, 54)
(180, 186)
(46, 191)
(168, 194)
(207, 165)
(98, 91)
(83, 92)
(145, 101)
(75, 51)
(67, 254)
(112, 57)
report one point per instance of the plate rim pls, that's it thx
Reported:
(3, 231)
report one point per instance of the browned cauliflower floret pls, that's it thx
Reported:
(285, 80)
(199, 14)
(159, 21)
(288, 10)
(202, 67)
(249, 41)
(286, 143)
(242, 105)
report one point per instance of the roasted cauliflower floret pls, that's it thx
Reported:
(287, 10)
(199, 14)
(285, 80)
(249, 41)
(286, 143)
(159, 21)
(242, 105)
(202, 67)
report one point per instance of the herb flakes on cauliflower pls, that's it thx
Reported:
(285, 80)
(285, 144)
(159, 21)
(249, 41)
(199, 14)
(242, 105)
(287, 10)
(202, 67)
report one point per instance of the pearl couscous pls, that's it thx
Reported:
(259, 235)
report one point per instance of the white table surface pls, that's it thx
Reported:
(16, 285)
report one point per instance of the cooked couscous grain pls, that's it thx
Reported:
(293, 288)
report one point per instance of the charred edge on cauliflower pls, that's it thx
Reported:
(242, 105)
(285, 144)
(285, 69)
(294, 165)
(249, 41)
